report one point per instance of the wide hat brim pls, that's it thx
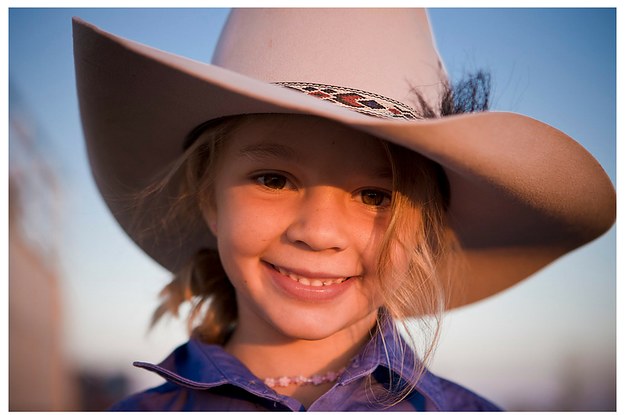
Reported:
(522, 193)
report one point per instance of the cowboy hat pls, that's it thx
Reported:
(522, 193)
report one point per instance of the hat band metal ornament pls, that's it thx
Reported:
(355, 99)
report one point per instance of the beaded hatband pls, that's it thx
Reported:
(284, 381)
(355, 99)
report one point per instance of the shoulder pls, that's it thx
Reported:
(166, 397)
(429, 391)
(454, 397)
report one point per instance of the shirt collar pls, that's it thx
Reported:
(198, 365)
(388, 350)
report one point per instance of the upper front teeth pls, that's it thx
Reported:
(310, 281)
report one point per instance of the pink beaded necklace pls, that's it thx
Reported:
(284, 381)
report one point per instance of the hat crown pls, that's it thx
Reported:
(388, 52)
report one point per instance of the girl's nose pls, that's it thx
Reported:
(320, 222)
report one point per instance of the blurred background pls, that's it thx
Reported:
(81, 293)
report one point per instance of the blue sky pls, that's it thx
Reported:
(557, 65)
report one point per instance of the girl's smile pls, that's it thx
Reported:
(300, 206)
(309, 286)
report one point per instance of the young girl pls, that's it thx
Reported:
(311, 214)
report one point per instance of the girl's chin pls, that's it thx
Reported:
(321, 326)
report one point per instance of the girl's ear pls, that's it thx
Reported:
(213, 227)
(210, 217)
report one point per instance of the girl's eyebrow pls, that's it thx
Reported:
(267, 150)
(385, 173)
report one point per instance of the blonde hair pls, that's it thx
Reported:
(417, 233)
(202, 282)
(418, 230)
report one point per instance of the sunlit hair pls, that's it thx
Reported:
(416, 243)
(202, 282)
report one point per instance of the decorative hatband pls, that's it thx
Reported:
(355, 99)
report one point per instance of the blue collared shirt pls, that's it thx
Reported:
(204, 377)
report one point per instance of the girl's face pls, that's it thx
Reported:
(300, 207)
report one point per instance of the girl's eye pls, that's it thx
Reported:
(377, 198)
(272, 181)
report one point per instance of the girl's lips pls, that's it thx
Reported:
(310, 280)
(309, 287)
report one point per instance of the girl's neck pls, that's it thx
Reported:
(270, 354)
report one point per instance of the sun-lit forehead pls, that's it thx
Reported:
(268, 148)
(309, 140)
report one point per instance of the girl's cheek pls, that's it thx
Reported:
(249, 227)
